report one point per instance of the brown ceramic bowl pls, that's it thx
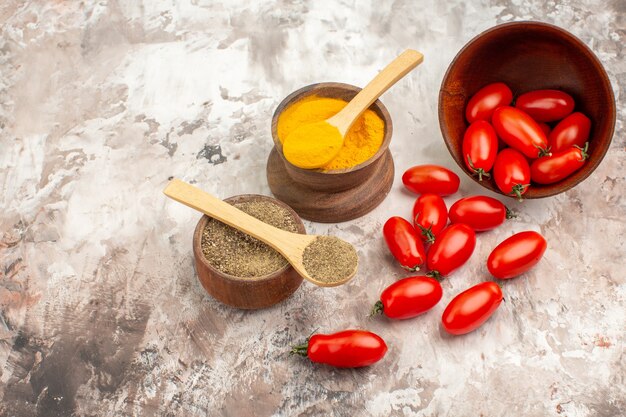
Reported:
(529, 56)
(339, 179)
(246, 293)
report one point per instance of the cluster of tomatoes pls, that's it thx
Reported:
(449, 248)
(429, 241)
(529, 148)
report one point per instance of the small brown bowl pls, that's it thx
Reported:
(246, 293)
(338, 179)
(529, 56)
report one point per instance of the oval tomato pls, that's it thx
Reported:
(347, 349)
(573, 130)
(545, 128)
(520, 131)
(511, 173)
(516, 255)
(545, 105)
(404, 243)
(409, 297)
(430, 216)
(480, 147)
(432, 179)
(551, 169)
(486, 100)
(479, 212)
(471, 308)
(452, 248)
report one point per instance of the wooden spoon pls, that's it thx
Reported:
(304, 146)
(290, 245)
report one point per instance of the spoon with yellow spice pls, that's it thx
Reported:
(326, 261)
(314, 145)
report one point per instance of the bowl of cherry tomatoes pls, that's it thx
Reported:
(527, 110)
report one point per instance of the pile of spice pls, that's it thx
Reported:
(236, 253)
(329, 259)
(361, 142)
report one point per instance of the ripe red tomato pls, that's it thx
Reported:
(471, 308)
(452, 248)
(430, 216)
(347, 349)
(409, 297)
(432, 179)
(479, 212)
(516, 255)
(545, 105)
(512, 173)
(545, 128)
(520, 131)
(486, 100)
(480, 147)
(404, 243)
(573, 130)
(551, 169)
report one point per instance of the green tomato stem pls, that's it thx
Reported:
(583, 151)
(377, 309)
(300, 349)
(510, 214)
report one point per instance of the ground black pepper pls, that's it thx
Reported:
(329, 259)
(239, 254)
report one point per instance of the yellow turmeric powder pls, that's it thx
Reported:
(312, 145)
(361, 142)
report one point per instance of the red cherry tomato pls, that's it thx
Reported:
(520, 131)
(545, 105)
(480, 147)
(512, 173)
(471, 308)
(516, 255)
(545, 128)
(451, 250)
(479, 212)
(432, 179)
(551, 169)
(486, 100)
(347, 349)
(404, 243)
(409, 297)
(573, 130)
(430, 216)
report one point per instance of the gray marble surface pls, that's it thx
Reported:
(100, 310)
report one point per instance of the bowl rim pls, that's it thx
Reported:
(309, 90)
(197, 240)
(532, 25)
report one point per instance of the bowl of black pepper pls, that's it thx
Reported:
(236, 268)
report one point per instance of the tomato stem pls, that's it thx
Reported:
(583, 151)
(377, 309)
(411, 269)
(543, 151)
(510, 214)
(477, 171)
(517, 191)
(300, 349)
(435, 274)
(427, 232)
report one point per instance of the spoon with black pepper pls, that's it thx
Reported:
(326, 261)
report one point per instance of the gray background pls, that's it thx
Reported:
(101, 313)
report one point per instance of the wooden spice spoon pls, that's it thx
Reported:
(305, 151)
(290, 245)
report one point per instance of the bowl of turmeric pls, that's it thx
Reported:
(356, 180)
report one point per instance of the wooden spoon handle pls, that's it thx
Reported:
(212, 206)
(397, 69)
